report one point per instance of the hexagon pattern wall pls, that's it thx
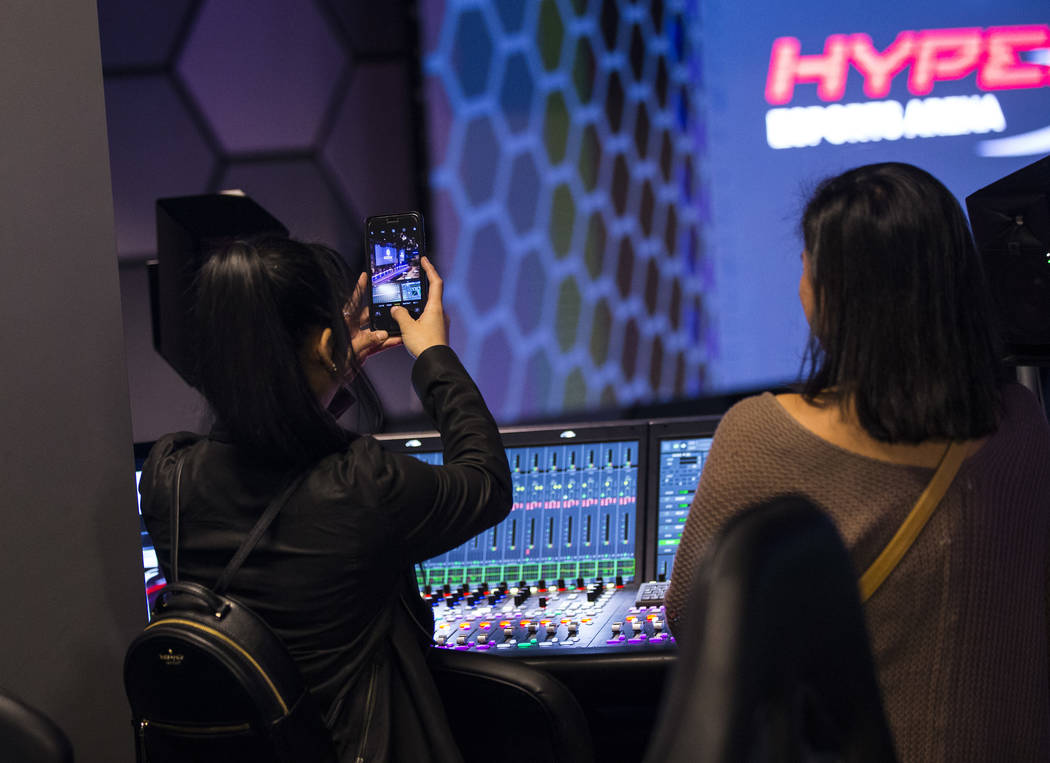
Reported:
(567, 157)
(278, 98)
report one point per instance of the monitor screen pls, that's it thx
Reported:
(577, 492)
(152, 576)
(678, 450)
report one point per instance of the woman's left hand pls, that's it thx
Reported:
(364, 343)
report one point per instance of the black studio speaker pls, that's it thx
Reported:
(1010, 220)
(188, 228)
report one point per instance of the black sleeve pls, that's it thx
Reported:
(156, 489)
(431, 509)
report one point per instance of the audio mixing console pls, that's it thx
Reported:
(523, 620)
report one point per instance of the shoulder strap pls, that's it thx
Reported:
(253, 537)
(914, 522)
(249, 543)
(175, 519)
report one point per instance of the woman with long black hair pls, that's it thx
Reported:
(280, 335)
(905, 361)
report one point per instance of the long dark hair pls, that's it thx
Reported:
(257, 302)
(902, 323)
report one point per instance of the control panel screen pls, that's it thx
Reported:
(681, 459)
(575, 515)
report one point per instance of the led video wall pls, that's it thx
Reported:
(616, 185)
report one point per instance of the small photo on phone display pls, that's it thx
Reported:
(395, 248)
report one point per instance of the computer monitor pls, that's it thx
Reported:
(576, 510)
(153, 578)
(678, 449)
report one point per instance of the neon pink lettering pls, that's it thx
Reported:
(787, 66)
(1002, 70)
(944, 54)
(880, 68)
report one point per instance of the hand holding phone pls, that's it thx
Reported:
(431, 328)
(364, 341)
(395, 247)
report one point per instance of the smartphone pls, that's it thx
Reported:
(395, 245)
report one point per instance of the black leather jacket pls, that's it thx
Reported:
(333, 575)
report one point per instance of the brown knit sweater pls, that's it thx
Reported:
(959, 629)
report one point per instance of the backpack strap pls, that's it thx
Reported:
(257, 532)
(915, 521)
(249, 543)
(175, 519)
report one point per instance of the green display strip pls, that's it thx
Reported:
(512, 573)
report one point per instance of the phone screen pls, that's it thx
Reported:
(395, 245)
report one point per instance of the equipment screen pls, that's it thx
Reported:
(680, 464)
(678, 450)
(575, 514)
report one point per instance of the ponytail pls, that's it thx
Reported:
(257, 303)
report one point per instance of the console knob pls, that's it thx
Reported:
(579, 583)
(574, 627)
(491, 598)
(441, 639)
(561, 584)
(543, 602)
(616, 628)
(541, 584)
(619, 581)
(636, 626)
(482, 638)
(551, 629)
(461, 640)
(533, 627)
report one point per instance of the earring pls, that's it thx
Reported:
(333, 369)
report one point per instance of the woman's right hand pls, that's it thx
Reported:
(431, 328)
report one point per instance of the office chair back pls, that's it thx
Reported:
(29, 736)
(775, 661)
(540, 719)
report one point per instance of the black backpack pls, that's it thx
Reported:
(208, 680)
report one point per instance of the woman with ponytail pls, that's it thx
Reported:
(280, 340)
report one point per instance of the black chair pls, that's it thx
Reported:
(29, 736)
(501, 709)
(775, 662)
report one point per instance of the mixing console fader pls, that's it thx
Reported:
(523, 620)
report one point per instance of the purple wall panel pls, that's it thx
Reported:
(264, 78)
